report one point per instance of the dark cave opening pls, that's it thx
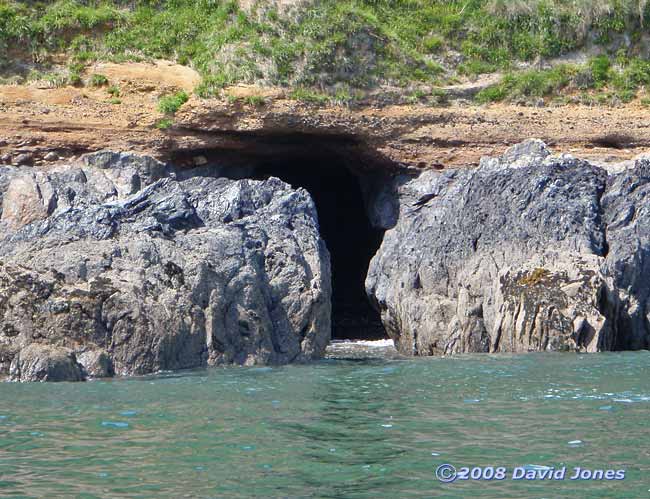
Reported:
(337, 171)
(344, 225)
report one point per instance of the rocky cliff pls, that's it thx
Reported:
(529, 252)
(121, 265)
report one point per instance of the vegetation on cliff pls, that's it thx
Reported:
(324, 48)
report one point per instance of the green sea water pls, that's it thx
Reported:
(363, 424)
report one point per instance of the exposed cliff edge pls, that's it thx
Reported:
(119, 264)
(122, 265)
(529, 252)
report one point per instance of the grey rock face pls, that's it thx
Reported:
(528, 252)
(40, 362)
(627, 216)
(137, 272)
(96, 364)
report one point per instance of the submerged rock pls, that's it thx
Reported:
(528, 252)
(138, 272)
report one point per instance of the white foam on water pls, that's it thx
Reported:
(536, 467)
(364, 343)
(361, 349)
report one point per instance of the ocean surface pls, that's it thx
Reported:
(363, 423)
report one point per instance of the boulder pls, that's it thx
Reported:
(23, 159)
(96, 363)
(159, 273)
(528, 252)
(40, 362)
(23, 201)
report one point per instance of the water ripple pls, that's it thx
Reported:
(362, 426)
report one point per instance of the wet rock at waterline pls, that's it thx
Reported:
(124, 265)
(529, 252)
(40, 362)
(117, 267)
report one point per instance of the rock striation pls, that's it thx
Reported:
(528, 252)
(118, 266)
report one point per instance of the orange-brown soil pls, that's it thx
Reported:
(69, 121)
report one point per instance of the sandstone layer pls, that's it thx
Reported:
(45, 126)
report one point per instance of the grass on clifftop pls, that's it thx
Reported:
(598, 82)
(326, 47)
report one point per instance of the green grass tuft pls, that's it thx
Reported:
(609, 84)
(169, 104)
(310, 96)
(98, 80)
(164, 124)
(255, 100)
(600, 67)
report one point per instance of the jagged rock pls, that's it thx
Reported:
(24, 201)
(127, 172)
(7, 354)
(39, 362)
(177, 274)
(96, 363)
(527, 252)
(627, 216)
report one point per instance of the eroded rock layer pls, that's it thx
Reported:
(529, 252)
(120, 266)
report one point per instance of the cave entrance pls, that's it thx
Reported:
(334, 170)
(350, 237)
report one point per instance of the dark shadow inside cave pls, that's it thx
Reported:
(331, 169)
(351, 239)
